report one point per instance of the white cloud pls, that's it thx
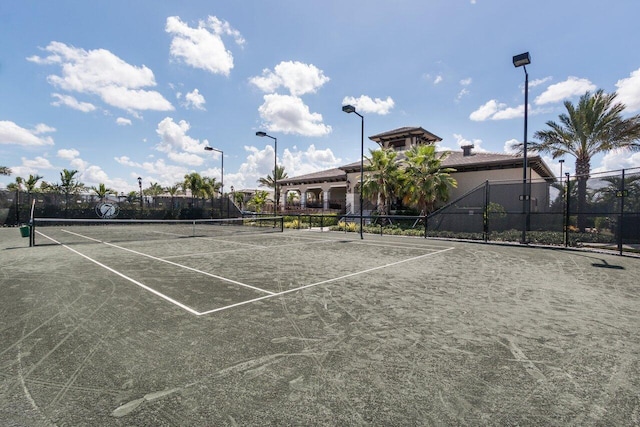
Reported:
(38, 163)
(288, 114)
(311, 160)
(477, 143)
(538, 82)
(68, 153)
(195, 100)
(100, 72)
(11, 133)
(202, 47)
(494, 110)
(629, 91)
(365, 104)
(438, 79)
(466, 82)
(71, 102)
(509, 146)
(124, 160)
(121, 121)
(297, 77)
(174, 141)
(619, 159)
(560, 91)
(464, 92)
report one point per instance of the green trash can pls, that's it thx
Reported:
(25, 230)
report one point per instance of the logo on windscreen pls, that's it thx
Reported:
(107, 210)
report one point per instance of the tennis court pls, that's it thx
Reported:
(309, 328)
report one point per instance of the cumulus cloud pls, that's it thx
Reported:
(68, 153)
(298, 78)
(538, 82)
(462, 141)
(11, 133)
(463, 92)
(71, 102)
(509, 146)
(126, 161)
(121, 121)
(365, 104)
(100, 72)
(619, 159)
(259, 163)
(195, 100)
(629, 91)
(466, 82)
(558, 92)
(288, 114)
(179, 146)
(202, 47)
(494, 110)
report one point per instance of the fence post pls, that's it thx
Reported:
(485, 212)
(620, 226)
(566, 211)
(425, 226)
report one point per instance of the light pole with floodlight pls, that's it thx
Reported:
(141, 198)
(352, 109)
(275, 169)
(221, 176)
(523, 60)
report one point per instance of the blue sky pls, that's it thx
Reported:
(121, 89)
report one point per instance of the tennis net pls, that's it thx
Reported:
(67, 231)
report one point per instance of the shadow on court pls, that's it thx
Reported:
(316, 329)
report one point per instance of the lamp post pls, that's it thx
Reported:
(221, 176)
(352, 109)
(141, 200)
(275, 169)
(561, 161)
(523, 60)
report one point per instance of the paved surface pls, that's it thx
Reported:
(392, 331)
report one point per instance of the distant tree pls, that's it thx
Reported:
(425, 180)
(194, 183)
(211, 188)
(69, 185)
(102, 191)
(5, 170)
(154, 190)
(30, 184)
(593, 126)
(259, 199)
(280, 174)
(173, 190)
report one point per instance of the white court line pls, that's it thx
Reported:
(242, 249)
(173, 263)
(324, 282)
(135, 282)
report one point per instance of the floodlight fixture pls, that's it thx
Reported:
(522, 59)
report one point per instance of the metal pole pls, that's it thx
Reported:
(620, 226)
(566, 211)
(275, 178)
(361, 169)
(525, 193)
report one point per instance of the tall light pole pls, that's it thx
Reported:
(561, 161)
(275, 169)
(221, 176)
(352, 109)
(523, 60)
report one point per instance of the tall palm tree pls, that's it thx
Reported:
(5, 170)
(30, 184)
(211, 188)
(102, 191)
(154, 190)
(173, 190)
(280, 174)
(593, 126)
(193, 182)
(383, 179)
(425, 180)
(69, 184)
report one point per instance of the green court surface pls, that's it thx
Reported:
(310, 328)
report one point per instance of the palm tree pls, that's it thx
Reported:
(30, 184)
(69, 185)
(425, 180)
(5, 170)
(154, 190)
(101, 191)
(193, 182)
(173, 190)
(211, 188)
(280, 174)
(595, 125)
(383, 179)
(259, 199)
